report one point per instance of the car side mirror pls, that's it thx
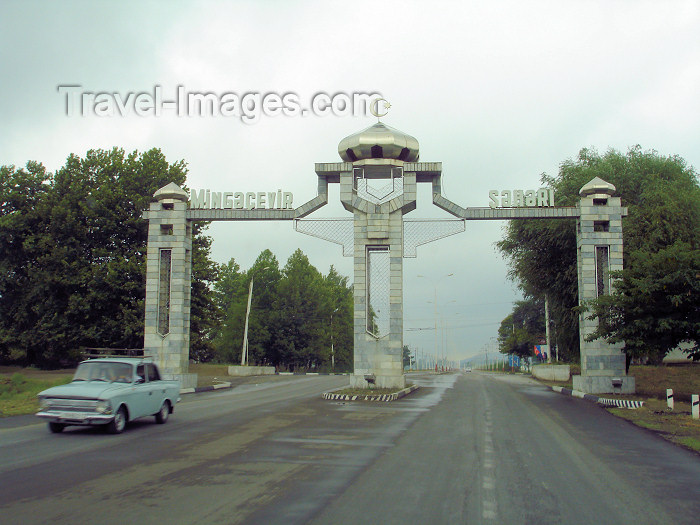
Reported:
(140, 380)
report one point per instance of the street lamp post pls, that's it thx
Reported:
(244, 350)
(435, 309)
(444, 342)
(332, 348)
(445, 338)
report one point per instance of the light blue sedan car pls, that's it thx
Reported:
(110, 392)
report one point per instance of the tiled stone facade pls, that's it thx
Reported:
(167, 315)
(599, 252)
(378, 357)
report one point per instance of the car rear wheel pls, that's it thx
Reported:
(163, 413)
(56, 427)
(117, 425)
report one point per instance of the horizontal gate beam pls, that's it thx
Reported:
(484, 214)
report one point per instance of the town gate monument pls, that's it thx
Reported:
(378, 175)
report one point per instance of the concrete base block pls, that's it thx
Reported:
(552, 372)
(240, 371)
(604, 384)
(397, 382)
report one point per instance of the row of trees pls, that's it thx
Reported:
(655, 304)
(72, 267)
(299, 318)
(72, 273)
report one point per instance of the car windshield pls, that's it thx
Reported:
(103, 371)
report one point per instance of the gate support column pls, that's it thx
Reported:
(168, 284)
(378, 276)
(599, 252)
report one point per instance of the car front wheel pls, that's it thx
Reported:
(163, 413)
(117, 425)
(56, 427)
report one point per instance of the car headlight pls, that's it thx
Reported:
(103, 407)
(44, 403)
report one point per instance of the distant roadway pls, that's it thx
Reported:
(464, 448)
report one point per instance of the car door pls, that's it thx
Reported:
(156, 388)
(143, 400)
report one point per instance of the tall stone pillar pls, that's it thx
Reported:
(168, 284)
(378, 193)
(599, 252)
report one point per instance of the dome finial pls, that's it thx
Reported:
(379, 142)
(374, 108)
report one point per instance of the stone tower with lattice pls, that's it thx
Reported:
(377, 190)
(378, 178)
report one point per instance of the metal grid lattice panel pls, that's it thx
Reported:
(339, 231)
(165, 273)
(378, 290)
(422, 231)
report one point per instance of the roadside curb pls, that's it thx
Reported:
(198, 389)
(312, 374)
(384, 397)
(622, 403)
(209, 388)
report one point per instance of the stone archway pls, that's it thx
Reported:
(378, 178)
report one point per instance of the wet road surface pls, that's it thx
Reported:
(472, 448)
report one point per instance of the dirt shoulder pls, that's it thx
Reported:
(675, 425)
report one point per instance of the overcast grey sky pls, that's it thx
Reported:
(498, 91)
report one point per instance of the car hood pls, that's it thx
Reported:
(83, 389)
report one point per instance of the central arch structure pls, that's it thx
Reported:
(377, 177)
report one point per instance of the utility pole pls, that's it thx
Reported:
(546, 327)
(244, 350)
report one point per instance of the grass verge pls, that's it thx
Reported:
(209, 374)
(677, 426)
(18, 391)
(19, 386)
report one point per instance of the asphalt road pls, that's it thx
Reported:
(472, 448)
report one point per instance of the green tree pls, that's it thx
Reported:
(523, 328)
(298, 314)
(231, 297)
(655, 304)
(21, 224)
(229, 292)
(205, 316)
(662, 196)
(82, 263)
(261, 323)
(338, 305)
(542, 259)
(227, 285)
(406, 356)
(299, 318)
